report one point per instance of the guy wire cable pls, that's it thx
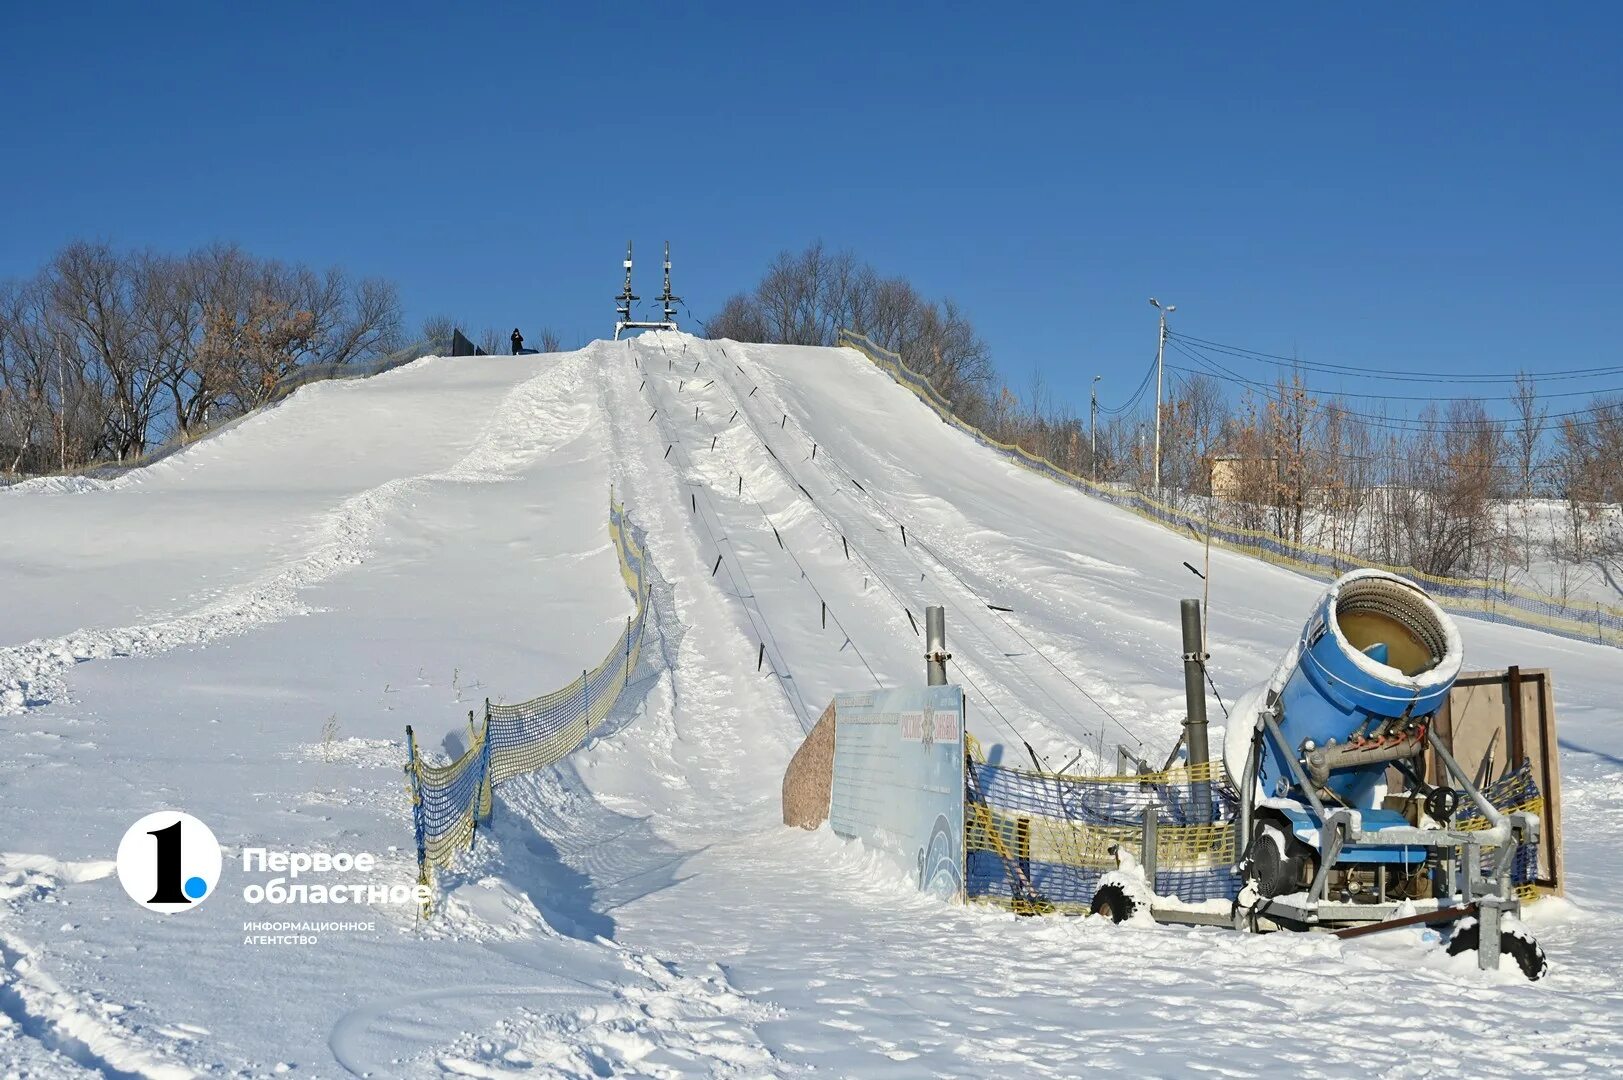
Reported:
(784, 545)
(945, 565)
(745, 594)
(961, 613)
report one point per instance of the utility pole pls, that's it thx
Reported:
(1160, 357)
(1093, 429)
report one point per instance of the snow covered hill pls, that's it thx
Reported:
(244, 630)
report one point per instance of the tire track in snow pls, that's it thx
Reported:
(535, 417)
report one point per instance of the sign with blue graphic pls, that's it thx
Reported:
(899, 779)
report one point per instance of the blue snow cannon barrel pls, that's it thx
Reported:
(1376, 656)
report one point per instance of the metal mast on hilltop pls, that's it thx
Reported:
(665, 297)
(622, 308)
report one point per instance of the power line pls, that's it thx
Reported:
(1143, 387)
(1511, 469)
(1394, 374)
(1419, 397)
(1394, 423)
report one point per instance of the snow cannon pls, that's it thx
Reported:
(1340, 828)
(1375, 661)
(1350, 815)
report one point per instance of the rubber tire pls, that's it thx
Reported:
(1113, 903)
(1277, 860)
(1527, 953)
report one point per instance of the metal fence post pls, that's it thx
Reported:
(935, 646)
(1194, 690)
(1147, 852)
(488, 803)
(419, 827)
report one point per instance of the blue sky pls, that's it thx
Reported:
(1432, 189)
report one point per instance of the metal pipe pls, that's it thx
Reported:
(1147, 844)
(1172, 758)
(1295, 766)
(1248, 793)
(1194, 692)
(935, 646)
(1500, 832)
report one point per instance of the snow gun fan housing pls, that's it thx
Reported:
(1374, 663)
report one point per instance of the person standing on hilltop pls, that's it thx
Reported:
(518, 341)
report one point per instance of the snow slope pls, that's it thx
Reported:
(393, 550)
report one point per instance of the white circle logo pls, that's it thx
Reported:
(169, 861)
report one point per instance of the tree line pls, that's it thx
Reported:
(1454, 490)
(806, 298)
(106, 353)
(1449, 491)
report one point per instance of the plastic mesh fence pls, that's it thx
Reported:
(1487, 600)
(1038, 842)
(449, 800)
(1041, 842)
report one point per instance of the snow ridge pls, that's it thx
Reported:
(535, 417)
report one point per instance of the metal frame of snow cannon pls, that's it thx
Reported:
(1324, 812)
(1341, 831)
(1325, 793)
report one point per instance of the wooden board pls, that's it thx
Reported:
(1492, 721)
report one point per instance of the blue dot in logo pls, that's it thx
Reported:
(195, 887)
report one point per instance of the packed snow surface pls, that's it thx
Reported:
(244, 630)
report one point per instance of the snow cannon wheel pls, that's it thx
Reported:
(1279, 861)
(1527, 953)
(1113, 903)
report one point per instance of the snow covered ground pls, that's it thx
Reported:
(394, 550)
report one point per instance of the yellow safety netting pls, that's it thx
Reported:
(449, 800)
(1039, 842)
(1492, 600)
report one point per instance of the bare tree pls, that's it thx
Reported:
(738, 320)
(114, 352)
(1527, 436)
(94, 296)
(805, 298)
(437, 331)
(1290, 416)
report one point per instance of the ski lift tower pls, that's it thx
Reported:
(622, 308)
(665, 297)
